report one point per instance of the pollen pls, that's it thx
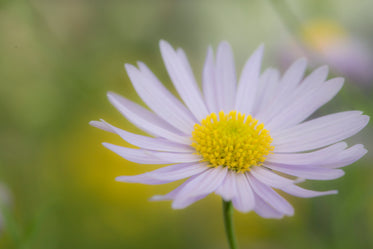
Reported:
(232, 140)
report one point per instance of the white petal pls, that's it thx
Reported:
(209, 84)
(227, 190)
(166, 174)
(346, 157)
(185, 85)
(312, 81)
(265, 210)
(225, 77)
(145, 119)
(181, 54)
(286, 86)
(204, 183)
(144, 142)
(248, 82)
(303, 106)
(134, 155)
(270, 196)
(267, 88)
(314, 157)
(293, 76)
(101, 125)
(171, 195)
(319, 132)
(159, 99)
(308, 172)
(334, 156)
(171, 157)
(170, 98)
(305, 193)
(244, 200)
(269, 178)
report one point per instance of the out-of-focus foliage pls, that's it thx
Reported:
(57, 61)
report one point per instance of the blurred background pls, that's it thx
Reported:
(59, 58)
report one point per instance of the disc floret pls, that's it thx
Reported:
(232, 140)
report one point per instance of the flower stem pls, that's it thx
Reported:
(228, 223)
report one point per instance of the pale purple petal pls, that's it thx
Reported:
(182, 56)
(308, 172)
(312, 81)
(270, 196)
(144, 142)
(209, 84)
(293, 76)
(225, 77)
(166, 174)
(244, 200)
(267, 89)
(334, 156)
(160, 100)
(101, 125)
(187, 115)
(303, 106)
(171, 157)
(286, 86)
(319, 132)
(171, 195)
(248, 83)
(200, 185)
(269, 178)
(265, 210)
(135, 155)
(318, 156)
(146, 120)
(227, 190)
(346, 157)
(305, 193)
(184, 83)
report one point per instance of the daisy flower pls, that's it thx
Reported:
(243, 139)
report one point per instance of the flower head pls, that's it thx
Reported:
(238, 138)
(328, 42)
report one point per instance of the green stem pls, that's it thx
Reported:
(228, 223)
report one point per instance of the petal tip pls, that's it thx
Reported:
(177, 206)
(333, 192)
(224, 44)
(366, 119)
(93, 123)
(260, 49)
(339, 173)
(106, 145)
(111, 95)
(128, 66)
(164, 45)
(119, 178)
(156, 198)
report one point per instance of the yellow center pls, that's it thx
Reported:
(232, 140)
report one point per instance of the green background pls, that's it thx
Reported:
(57, 61)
